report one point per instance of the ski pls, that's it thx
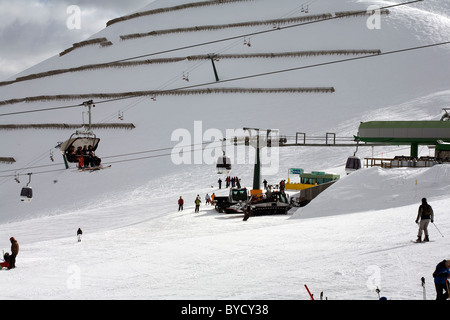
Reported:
(92, 169)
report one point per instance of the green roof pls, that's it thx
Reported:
(405, 124)
(404, 132)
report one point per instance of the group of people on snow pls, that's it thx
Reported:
(230, 181)
(208, 201)
(10, 259)
(84, 156)
(281, 186)
(425, 215)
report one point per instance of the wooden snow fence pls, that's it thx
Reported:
(352, 14)
(176, 92)
(62, 126)
(103, 42)
(273, 22)
(171, 9)
(7, 160)
(127, 64)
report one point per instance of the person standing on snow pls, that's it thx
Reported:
(197, 203)
(180, 204)
(79, 233)
(14, 252)
(440, 276)
(425, 215)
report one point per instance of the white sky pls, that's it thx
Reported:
(34, 30)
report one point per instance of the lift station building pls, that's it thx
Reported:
(413, 133)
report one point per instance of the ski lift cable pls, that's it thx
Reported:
(235, 37)
(200, 63)
(290, 69)
(27, 167)
(117, 156)
(108, 157)
(197, 65)
(250, 76)
(261, 32)
(216, 41)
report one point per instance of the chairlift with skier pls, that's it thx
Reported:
(79, 139)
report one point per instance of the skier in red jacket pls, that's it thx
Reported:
(180, 204)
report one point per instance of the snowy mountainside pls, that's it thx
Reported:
(135, 200)
(361, 87)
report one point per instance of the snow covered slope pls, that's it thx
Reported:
(131, 208)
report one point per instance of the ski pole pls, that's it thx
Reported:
(423, 286)
(438, 229)
(312, 297)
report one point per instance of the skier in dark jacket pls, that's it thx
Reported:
(425, 215)
(440, 276)
(79, 233)
(14, 252)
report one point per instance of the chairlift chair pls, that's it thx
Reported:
(81, 138)
(78, 141)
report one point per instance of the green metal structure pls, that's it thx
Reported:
(413, 133)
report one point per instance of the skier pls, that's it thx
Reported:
(265, 184)
(79, 233)
(180, 204)
(7, 261)
(207, 199)
(220, 183)
(238, 182)
(197, 203)
(282, 185)
(80, 157)
(14, 252)
(440, 276)
(425, 214)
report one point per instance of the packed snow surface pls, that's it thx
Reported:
(356, 236)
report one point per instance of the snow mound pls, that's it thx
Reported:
(378, 189)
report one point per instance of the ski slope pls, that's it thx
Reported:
(354, 237)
